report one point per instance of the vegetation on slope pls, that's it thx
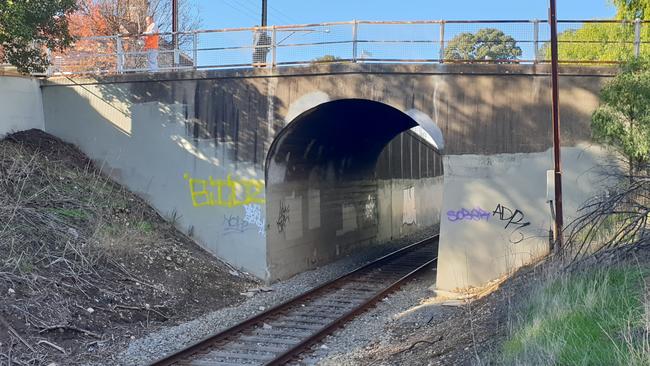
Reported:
(597, 317)
(86, 265)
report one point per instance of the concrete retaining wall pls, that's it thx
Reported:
(496, 216)
(21, 104)
(146, 146)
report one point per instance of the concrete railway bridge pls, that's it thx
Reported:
(280, 170)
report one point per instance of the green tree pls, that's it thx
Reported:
(623, 118)
(486, 44)
(632, 9)
(595, 42)
(605, 41)
(28, 27)
(326, 58)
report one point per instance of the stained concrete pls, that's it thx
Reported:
(511, 189)
(21, 104)
(160, 133)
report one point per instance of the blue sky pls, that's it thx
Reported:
(245, 13)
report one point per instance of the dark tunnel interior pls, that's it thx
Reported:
(346, 136)
(344, 176)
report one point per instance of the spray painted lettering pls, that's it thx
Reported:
(370, 209)
(514, 219)
(234, 225)
(225, 193)
(475, 214)
(283, 216)
(254, 217)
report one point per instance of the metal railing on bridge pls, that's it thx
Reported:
(435, 41)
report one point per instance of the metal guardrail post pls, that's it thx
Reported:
(48, 54)
(177, 54)
(536, 40)
(120, 54)
(442, 41)
(637, 37)
(195, 48)
(355, 28)
(274, 47)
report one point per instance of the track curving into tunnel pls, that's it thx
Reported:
(279, 335)
(346, 175)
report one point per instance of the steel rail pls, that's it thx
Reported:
(304, 345)
(209, 342)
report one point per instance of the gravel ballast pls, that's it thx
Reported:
(412, 306)
(168, 340)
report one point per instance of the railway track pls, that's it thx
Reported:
(278, 335)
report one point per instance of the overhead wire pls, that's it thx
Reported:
(283, 15)
(247, 13)
(275, 13)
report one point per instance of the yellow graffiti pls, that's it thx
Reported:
(225, 193)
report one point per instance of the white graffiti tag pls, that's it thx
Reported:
(370, 208)
(254, 216)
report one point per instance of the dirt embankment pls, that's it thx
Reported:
(85, 265)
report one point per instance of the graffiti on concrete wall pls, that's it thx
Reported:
(233, 224)
(227, 192)
(409, 213)
(283, 216)
(255, 217)
(464, 214)
(370, 209)
(514, 220)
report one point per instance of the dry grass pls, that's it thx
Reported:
(84, 260)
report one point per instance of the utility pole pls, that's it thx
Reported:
(559, 219)
(264, 12)
(175, 30)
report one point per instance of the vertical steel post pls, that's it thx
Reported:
(442, 41)
(48, 54)
(274, 48)
(264, 13)
(637, 37)
(355, 28)
(195, 48)
(120, 54)
(559, 219)
(175, 32)
(536, 39)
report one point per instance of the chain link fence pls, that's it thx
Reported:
(502, 41)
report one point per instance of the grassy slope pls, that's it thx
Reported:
(594, 317)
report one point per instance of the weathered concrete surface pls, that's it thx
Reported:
(156, 132)
(512, 217)
(21, 104)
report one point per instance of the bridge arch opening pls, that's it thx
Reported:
(346, 175)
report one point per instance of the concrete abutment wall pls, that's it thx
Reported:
(21, 104)
(194, 145)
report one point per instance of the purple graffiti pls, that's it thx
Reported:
(475, 214)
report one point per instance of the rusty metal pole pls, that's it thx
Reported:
(559, 219)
